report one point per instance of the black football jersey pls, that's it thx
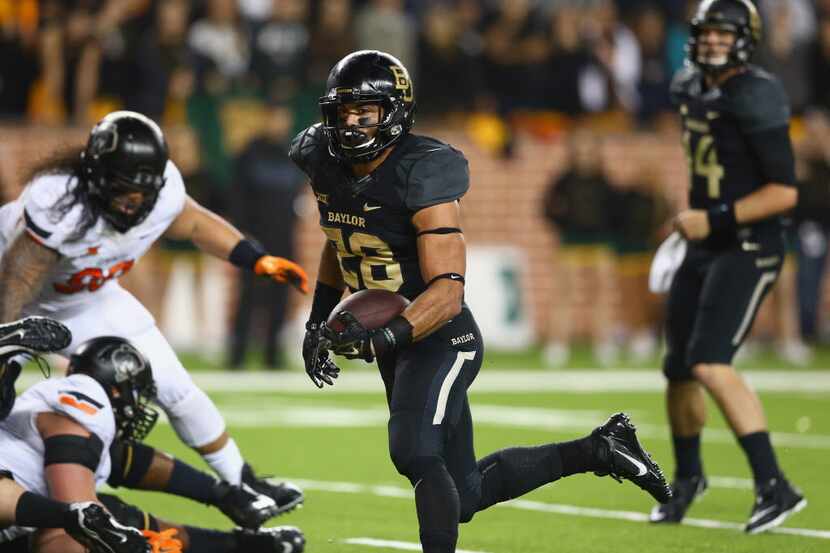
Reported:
(721, 135)
(369, 220)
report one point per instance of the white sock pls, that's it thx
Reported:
(227, 462)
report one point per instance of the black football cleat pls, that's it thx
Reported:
(619, 451)
(685, 491)
(775, 500)
(286, 495)
(243, 505)
(37, 334)
(26, 337)
(91, 525)
(280, 539)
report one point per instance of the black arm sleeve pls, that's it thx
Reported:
(774, 152)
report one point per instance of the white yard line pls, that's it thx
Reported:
(492, 381)
(393, 544)
(538, 506)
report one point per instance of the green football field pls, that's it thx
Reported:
(333, 443)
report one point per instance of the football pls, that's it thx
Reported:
(372, 308)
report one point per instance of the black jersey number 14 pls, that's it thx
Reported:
(703, 162)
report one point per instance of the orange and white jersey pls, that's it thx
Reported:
(90, 262)
(77, 396)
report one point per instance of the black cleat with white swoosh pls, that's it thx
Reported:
(619, 451)
(37, 334)
(26, 337)
(95, 528)
(775, 500)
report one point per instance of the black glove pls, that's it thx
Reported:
(319, 368)
(354, 341)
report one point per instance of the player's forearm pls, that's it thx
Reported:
(23, 270)
(768, 201)
(434, 308)
(329, 272)
(215, 236)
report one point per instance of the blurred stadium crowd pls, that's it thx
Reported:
(242, 75)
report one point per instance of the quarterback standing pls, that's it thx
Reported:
(736, 134)
(389, 206)
(83, 220)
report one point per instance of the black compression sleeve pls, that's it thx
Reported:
(774, 154)
(325, 298)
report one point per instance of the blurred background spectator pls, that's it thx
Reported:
(580, 205)
(513, 83)
(266, 186)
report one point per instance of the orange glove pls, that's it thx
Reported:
(164, 541)
(282, 270)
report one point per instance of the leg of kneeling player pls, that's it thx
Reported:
(139, 466)
(170, 537)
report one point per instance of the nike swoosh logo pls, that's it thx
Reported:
(640, 466)
(367, 207)
(761, 513)
(19, 333)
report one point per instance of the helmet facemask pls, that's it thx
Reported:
(126, 154)
(352, 143)
(134, 389)
(737, 17)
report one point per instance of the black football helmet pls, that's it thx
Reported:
(126, 152)
(737, 16)
(126, 376)
(367, 77)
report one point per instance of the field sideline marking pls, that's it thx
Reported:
(394, 544)
(492, 381)
(242, 413)
(558, 508)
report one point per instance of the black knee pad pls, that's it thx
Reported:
(128, 515)
(130, 463)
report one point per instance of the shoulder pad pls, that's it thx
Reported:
(683, 83)
(43, 221)
(438, 174)
(758, 101)
(307, 147)
(81, 398)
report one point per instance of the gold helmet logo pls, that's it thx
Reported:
(402, 81)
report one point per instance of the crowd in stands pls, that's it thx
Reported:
(497, 68)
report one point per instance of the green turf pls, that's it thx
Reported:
(359, 455)
(762, 357)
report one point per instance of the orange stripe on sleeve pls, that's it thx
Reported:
(72, 402)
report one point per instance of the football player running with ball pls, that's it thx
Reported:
(389, 206)
(736, 134)
(83, 220)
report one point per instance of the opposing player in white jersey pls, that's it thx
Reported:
(85, 219)
(58, 438)
(87, 521)
(56, 441)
